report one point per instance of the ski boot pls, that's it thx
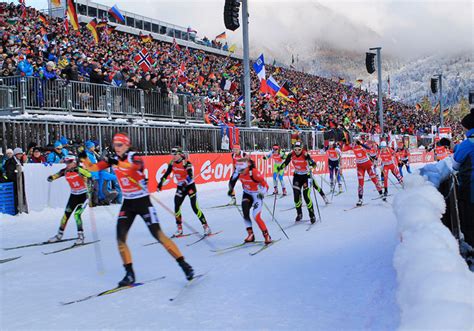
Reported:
(129, 278)
(250, 237)
(57, 237)
(80, 238)
(233, 201)
(284, 192)
(385, 194)
(179, 231)
(312, 219)
(332, 186)
(266, 236)
(187, 269)
(275, 190)
(340, 188)
(299, 217)
(207, 229)
(380, 194)
(360, 202)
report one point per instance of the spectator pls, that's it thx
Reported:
(36, 156)
(56, 155)
(8, 155)
(25, 68)
(49, 73)
(12, 170)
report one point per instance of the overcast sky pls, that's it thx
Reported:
(401, 27)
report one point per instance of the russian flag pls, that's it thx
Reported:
(272, 86)
(116, 14)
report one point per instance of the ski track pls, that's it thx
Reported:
(338, 276)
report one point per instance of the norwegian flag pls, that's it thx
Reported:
(144, 60)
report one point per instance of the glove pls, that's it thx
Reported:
(82, 155)
(279, 167)
(160, 185)
(229, 192)
(188, 180)
(260, 195)
(112, 161)
(50, 179)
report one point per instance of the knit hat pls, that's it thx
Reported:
(89, 144)
(58, 144)
(122, 138)
(17, 150)
(9, 151)
(468, 120)
(64, 140)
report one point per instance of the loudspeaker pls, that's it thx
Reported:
(370, 62)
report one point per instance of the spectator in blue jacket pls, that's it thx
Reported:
(49, 72)
(463, 162)
(56, 155)
(25, 68)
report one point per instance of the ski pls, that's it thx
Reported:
(296, 223)
(204, 236)
(70, 247)
(377, 198)
(311, 225)
(244, 244)
(173, 237)
(355, 207)
(39, 244)
(224, 206)
(187, 285)
(264, 247)
(288, 209)
(114, 290)
(9, 259)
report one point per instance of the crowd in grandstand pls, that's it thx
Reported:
(32, 46)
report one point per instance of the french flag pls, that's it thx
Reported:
(116, 14)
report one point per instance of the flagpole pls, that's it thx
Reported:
(441, 115)
(245, 35)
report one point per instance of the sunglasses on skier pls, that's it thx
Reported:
(298, 149)
(174, 151)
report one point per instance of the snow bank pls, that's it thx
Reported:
(435, 287)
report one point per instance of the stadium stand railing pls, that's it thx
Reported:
(36, 95)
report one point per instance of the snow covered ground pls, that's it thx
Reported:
(338, 276)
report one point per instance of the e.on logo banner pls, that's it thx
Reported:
(216, 167)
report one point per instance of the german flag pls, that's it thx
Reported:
(92, 26)
(43, 19)
(71, 12)
(146, 38)
(221, 36)
(101, 24)
(446, 112)
(110, 29)
(286, 93)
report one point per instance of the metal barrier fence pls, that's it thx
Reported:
(36, 95)
(149, 139)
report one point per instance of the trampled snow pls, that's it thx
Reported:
(338, 276)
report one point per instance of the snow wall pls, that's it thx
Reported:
(209, 167)
(435, 287)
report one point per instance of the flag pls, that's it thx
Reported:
(43, 19)
(144, 60)
(146, 38)
(114, 11)
(341, 80)
(259, 67)
(292, 59)
(359, 81)
(191, 30)
(418, 106)
(12, 20)
(175, 45)
(45, 40)
(65, 22)
(388, 83)
(102, 24)
(446, 112)
(200, 80)
(71, 11)
(92, 26)
(56, 3)
(23, 8)
(232, 48)
(221, 36)
(241, 100)
(272, 86)
(436, 108)
(182, 70)
(285, 93)
(225, 84)
(110, 29)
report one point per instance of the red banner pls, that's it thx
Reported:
(217, 167)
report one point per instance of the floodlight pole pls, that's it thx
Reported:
(441, 116)
(379, 87)
(245, 35)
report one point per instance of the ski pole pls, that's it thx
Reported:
(274, 219)
(393, 183)
(316, 198)
(344, 180)
(95, 236)
(49, 195)
(200, 174)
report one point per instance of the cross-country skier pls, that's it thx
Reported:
(302, 162)
(77, 179)
(237, 154)
(402, 155)
(129, 169)
(364, 165)
(183, 172)
(389, 163)
(373, 153)
(255, 187)
(334, 162)
(278, 156)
